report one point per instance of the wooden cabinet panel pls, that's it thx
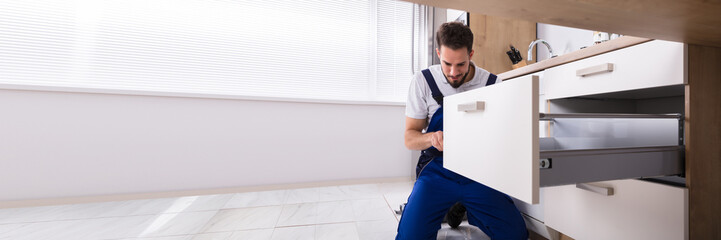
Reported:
(684, 21)
(703, 138)
(492, 37)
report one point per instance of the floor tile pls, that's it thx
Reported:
(294, 233)
(376, 226)
(348, 192)
(167, 205)
(298, 214)
(260, 234)
(7, 228)
(345, 231)
(362, 191)
(111, 228)
(200, 203)
(184, 237)
(377, 229)
(358, 211)
(395, 200)
(302, 195)
(28, 231)
(332, 193)
(135, 207)
(103, 228)
(334, 212)
(243, 219)
(257, 199)
(377, 235)
(212, 236)
(371, 209)
(45, 213)
(177, 224)
(396, 187)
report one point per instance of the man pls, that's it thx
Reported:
(437, 188)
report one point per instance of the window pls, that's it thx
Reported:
(307, 49)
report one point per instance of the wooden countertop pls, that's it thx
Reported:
(622, 42)
(689, 21)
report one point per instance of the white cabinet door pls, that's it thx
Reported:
(635, 210)
(491, 136)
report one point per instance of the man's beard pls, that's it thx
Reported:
(459, 83)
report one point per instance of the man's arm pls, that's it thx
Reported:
(415, 139)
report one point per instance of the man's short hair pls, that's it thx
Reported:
(455, 35)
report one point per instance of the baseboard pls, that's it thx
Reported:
(170, 194)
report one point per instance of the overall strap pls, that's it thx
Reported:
(491, 79)
(437, 95)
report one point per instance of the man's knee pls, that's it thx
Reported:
(421, 219)
(414, 229)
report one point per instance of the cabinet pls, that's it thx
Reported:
(497, 142)
(633, 209)
(612, 124)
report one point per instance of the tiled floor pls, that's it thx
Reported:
(337, 212)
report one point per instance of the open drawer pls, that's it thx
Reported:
(491, 135)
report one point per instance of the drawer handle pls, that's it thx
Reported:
(605, 191)
(471, 106)
(606, 67)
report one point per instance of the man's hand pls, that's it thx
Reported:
(437, 140)
(415, 139)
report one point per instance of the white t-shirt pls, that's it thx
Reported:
(421, 105)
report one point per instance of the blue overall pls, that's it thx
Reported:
(437, 189)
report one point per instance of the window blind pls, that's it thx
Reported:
(331, 49)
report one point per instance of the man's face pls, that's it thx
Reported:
(455, 64)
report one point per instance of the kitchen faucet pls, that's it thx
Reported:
(530, 47)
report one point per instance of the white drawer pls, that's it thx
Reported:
(498, 144)
(491, 135)
(653, 64)
(636, 210)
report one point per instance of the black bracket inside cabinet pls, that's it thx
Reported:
(680, 130)
(546, 163)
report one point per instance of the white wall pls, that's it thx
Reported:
(562, 39)
(59, 144)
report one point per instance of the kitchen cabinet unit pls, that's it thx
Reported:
(498, 142)
(693, 22)
(607, 123)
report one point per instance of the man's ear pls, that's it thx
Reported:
(470, 55)
(438, 52)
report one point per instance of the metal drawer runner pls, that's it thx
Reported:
(578, 166)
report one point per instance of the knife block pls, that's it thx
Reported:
(519, 64)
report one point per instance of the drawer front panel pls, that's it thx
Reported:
(635, 210)
(491, 136)
(652, 64)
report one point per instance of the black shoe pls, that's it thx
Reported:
(399, 212)
(455, 215)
